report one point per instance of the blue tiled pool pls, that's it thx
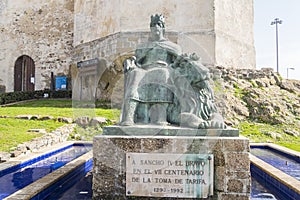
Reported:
(77, 185)
(21, 175)
(285, 162)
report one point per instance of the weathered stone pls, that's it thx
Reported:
(220, 178)
(274, 135)
(48, 139)
(237, 161)
(4, 156)
(42, 29)
(65, 120)
(220, 158)
(234, 196)
(109, 162)
(28, 117)
(98, 121)
(43, 131)
(83, 121)
(236, 146)
(235, 186)
(35, 117)
(292, 132)
(46, 118)
(15, 153)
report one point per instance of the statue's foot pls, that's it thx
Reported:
(126, 123)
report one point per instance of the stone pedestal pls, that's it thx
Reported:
(231, 161)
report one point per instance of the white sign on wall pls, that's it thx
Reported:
(169, 175)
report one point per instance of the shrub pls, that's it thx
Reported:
(11, 97)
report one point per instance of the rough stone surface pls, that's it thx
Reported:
(65, 120)
(98, 121)
(46, 118)
(48, 139)
(272, 101)
(235, 185)
(230, 180)
(209, 23)
(195, 32)
(28, 117)
(42, 30)
(82, 121)
(43, 131)
(4, 156)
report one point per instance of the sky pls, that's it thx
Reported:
(265, 11)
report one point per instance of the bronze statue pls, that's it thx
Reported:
(163, 86)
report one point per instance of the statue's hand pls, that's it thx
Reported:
(129, 64)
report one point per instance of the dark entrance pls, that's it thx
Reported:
(24, 74)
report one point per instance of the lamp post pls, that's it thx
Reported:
(276, 21)
(287, 71)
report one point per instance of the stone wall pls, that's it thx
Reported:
(42, 30)
(231, 162)
(194, 29)
(99, 18)
(234, 33)
(221, 32)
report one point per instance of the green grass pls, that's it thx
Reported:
(45, 103)
(57, 108)
(14, 131)
(256, 132)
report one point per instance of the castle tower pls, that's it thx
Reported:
(219, 31)
(222, 30)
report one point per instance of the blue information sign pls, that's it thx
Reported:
(60, 83)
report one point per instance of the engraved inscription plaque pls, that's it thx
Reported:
(169, 175)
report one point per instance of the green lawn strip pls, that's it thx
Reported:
(42, 111)
(291, 144)
(258, 132)
(60, 103)
(14, 131)
(112, 114)
(57, 108)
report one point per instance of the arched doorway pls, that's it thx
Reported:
(24, 74)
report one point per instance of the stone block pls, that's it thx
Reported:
(236, 146)
(225, 196)
(109, 171)
(237, 161)
(235, 185)
(220, 178)
(98, 121)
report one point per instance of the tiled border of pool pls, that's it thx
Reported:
(42, 184)
(280, 181)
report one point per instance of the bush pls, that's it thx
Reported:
(12, 97)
